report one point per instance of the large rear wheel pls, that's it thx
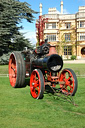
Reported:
(17, 70)
(37, 84)
(68, 82)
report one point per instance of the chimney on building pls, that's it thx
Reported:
(40, 9)
(61, 7)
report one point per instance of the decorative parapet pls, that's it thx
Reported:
(51, 16)
(60, 16)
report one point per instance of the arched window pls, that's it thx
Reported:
(83, 51)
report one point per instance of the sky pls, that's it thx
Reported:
(70, 7)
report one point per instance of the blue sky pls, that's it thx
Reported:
(70, 7)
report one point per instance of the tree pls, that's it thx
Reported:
(19, 42)
(11, 14)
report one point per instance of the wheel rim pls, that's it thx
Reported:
(67, 78)
(12, 70)
(35, 84)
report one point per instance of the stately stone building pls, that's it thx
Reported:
(67, 31)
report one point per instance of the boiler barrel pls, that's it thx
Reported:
(53, 63)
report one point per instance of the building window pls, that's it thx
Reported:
(53, 25)
(47, 25)
(82, 24)
(83, 51)
(67, 50)
(50, 25)
(67, 37)
(68, 25)
(82, 36)
(51, 38)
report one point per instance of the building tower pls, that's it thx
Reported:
(40, 9)
(61, 7)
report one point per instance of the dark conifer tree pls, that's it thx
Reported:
(11, 14)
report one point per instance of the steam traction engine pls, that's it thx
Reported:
(43, 67)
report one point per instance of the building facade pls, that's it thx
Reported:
(66, 31)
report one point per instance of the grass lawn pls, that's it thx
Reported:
(3, 69)
(19, 110)
(79, 69)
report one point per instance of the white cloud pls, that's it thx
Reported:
(31, 35)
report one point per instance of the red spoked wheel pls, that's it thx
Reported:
(17, 70)
(68, 82)
(37, 84)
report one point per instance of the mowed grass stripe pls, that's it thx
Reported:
(79, 69)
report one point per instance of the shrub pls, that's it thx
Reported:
(4, 59)
(73, 57)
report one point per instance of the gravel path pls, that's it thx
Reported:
(75, 61)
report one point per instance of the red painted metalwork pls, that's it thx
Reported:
(12, 70)
(35, 84)
(67, 77)
(52, 50)
(53, 78)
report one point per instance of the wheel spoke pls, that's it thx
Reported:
(70, 85)
(36, 84)
(37, 89)
(13, 68)
(69, 78)
(36, 81)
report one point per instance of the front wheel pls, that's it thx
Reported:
(68, 82)
(37, 84)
